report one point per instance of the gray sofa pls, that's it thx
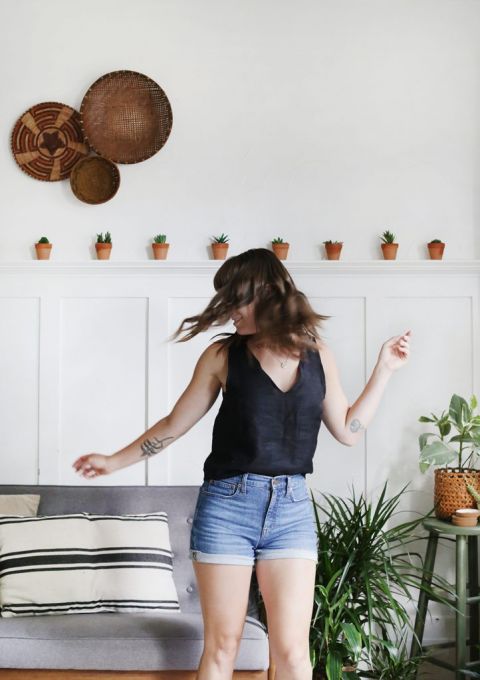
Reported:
(153, 643)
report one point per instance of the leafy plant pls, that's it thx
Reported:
(436, 240)
(160, 238)
(391, 659)
(461, 416)
(44, 239)
(364, 570)
(474, 493)
(388, 236)
(223, 238)
(278, 240)
(104, 239)
(331, 242)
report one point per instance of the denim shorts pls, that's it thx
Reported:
(250, 517)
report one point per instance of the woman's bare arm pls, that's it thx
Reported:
(198, 397)
(346, 423)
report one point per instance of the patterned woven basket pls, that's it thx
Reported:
(451, 491)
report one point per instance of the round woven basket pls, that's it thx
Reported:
(95, 179)
(451, 491)
(126, 116)
(47, 141)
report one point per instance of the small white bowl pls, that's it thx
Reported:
(467, 512)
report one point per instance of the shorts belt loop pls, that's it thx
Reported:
(289, 485)
(243, 483)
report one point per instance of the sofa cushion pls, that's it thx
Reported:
(19, 504)
(140, 641)
(84, 563)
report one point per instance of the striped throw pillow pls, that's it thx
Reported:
(85, 563)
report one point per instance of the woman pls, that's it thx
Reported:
(253, 506)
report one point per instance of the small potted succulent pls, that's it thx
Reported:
(280, 248)
(43, 248)
(220, 246)
(333, 249)
(389, 247)
(103, 246)
(451, 483)
(160, 247)
(436, 248)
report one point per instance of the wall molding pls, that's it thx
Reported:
(206, 268)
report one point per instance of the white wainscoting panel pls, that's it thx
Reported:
(19, 388)
(103, 379)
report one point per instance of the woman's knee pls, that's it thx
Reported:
(221, 647)
(291, 654)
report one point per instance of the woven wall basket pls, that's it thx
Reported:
(126, 116)
(451, 491)
(47, 141)
(95, 180)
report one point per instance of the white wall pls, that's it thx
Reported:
(311, 120)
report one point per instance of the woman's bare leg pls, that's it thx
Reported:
(287, 586)
(223, 590)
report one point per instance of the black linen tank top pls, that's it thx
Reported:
(261, 429)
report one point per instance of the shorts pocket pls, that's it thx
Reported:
(300, 492)
(220, 488)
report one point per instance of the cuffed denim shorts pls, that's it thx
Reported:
(249, 517)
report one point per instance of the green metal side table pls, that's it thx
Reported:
(466, 596)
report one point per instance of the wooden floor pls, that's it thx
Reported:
(24, 674)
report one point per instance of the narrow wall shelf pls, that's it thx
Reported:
(180, 268)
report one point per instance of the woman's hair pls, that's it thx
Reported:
(284, 317)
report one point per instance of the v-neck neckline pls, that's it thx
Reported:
(295, 384)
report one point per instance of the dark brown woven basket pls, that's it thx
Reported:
(95, 180)
(451, 491)
(126, 116)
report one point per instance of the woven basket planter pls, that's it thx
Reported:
(451, 491)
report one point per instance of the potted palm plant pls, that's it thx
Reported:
(333, 249)
(160, 247)
(389, 247)
(436, 248)
(43, 248)
(220, 246)
(450, 491)
(103, 246)
(366, 567)
(280, 248)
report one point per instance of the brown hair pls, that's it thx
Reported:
(283, 315)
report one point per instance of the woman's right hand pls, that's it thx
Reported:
(93, 465)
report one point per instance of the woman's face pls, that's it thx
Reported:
(244, 319)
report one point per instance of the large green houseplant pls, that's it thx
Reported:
(359, 624)
(365, 569)
(462, 449)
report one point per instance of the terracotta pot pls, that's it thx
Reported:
(389, 251)
(450, 490)
(281, 250)
(333, 250)
(160, 250)
(103, 250)
(436, 250)
(43, 250)
(219, 250)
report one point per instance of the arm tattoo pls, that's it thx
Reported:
(150, 448)
(356, 425)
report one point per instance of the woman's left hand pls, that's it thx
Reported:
(395, 351)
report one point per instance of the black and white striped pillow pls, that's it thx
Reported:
(86, 563)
